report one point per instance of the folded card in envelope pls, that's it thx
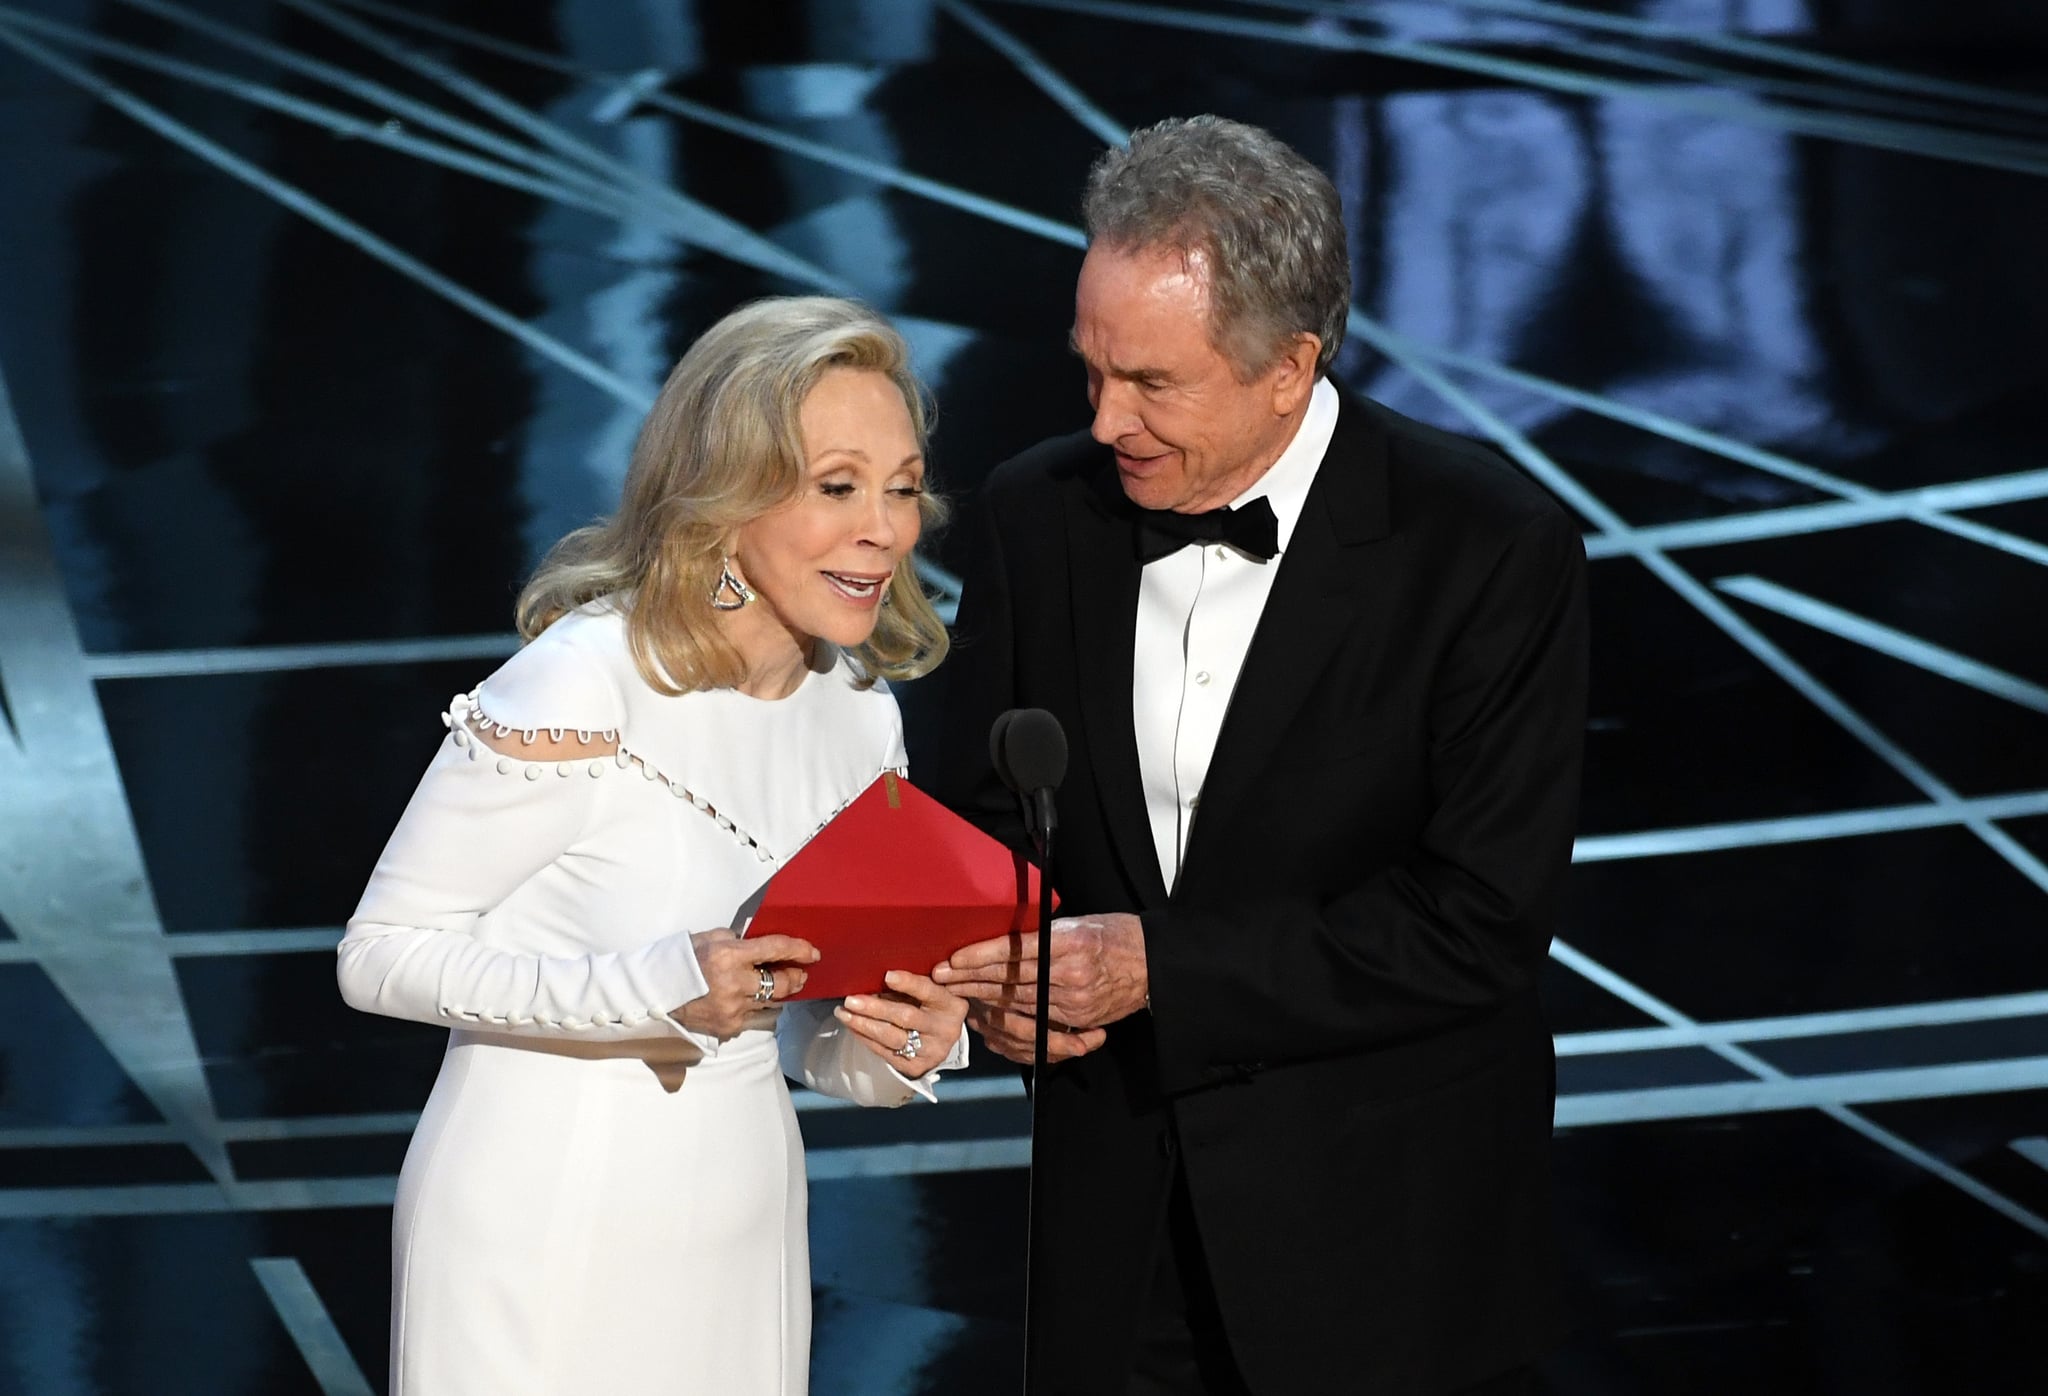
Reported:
(895, 881)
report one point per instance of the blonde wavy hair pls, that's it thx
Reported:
(721, 447)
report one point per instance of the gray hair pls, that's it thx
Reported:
(1268, 222)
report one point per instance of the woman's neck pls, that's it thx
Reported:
(776, 658)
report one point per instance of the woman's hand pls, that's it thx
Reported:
(733, 967)
(885, 1021)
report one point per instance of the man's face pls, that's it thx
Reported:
(1188, 435)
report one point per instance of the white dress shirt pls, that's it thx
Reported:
(1197, 611)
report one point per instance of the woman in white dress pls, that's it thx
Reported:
(606, 1188)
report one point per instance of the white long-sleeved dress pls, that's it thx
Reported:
(597, 1198)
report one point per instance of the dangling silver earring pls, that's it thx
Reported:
(731, 593)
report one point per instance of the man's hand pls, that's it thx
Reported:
(1098, 972)
(1008, 1034)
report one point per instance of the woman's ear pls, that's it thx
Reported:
(729, 553)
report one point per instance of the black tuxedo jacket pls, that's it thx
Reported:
(1344, 1045)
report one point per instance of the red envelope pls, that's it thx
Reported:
(896, 881)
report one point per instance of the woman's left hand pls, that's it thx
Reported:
(912, 1002)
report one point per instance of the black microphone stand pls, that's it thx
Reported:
(1044, 824)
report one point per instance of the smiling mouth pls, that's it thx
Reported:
(855, 587)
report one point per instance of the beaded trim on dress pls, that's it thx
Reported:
(465, 716)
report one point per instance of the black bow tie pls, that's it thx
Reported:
(1251, 529)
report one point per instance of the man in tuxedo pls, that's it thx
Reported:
(1322, 671)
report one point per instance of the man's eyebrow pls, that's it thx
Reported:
(1152, 375)
(1140, 375)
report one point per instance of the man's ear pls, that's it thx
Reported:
(1294, 373)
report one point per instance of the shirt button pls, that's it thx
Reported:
(1202, 678)
(1194, 802)
(1222, 553)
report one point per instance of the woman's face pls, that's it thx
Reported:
(822, 561)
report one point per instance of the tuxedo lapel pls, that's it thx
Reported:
(1317, 599)
(1103, 572)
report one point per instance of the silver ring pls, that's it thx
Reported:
(766, 993)
(912, 1045)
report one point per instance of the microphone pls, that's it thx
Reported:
(999, 750)
(1029, 750)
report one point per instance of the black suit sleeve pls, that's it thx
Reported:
(1461, 924)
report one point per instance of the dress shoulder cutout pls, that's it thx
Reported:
(567, 678)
